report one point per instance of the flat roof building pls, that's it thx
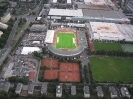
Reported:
(3, 26)
(73, 90)
(18, 88)
(58, 91)
(1, 33)
(49, 36)
(113, 92)
(29, 50)
(44, 89)
(86, 92)
(6, 86)
(99, 91)
(125, 92)
(31, 89)
(6, 18)
(38, 27)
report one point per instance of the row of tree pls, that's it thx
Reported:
(86, 71)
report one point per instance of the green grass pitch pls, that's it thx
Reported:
(107, 46)
(112, 69)
(65, 40)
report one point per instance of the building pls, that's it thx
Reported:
(125, 92)
(104, 31)
(6, 87)
(3, 26)
(31, 89)
(6, 18)
(29, 50)
(69, 2)
(54, 1)
(58, 91)
(86, 92)
(99, 91)
(38, 27)
(64, 13)
(73, 90)
(113, 92)
(44, 89)
(31, 76)
(9, 71)
(49, 36)
(18, 88)
(1, 33)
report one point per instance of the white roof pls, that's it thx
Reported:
(96, 2)
(36, 42)
(69, 1)
(54, 1)
(106, 30)
(66, 12)
(49, 36)
(27, 50)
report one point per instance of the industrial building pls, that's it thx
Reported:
(101, 31)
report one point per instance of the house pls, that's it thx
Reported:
(73, 90)
(6, 18)
(31, 89)
(31, 76)
(18, 88)
(44, 89)
(58, 91)
(3, 26)
(99, 91)
(25, 88)
(6, 87)
(86, 92)
(125, 92)
(113, 92)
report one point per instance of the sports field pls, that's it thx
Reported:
(107, 46)
(65, 40)
(127, 47)
(112, 69)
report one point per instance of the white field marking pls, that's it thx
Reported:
(57, 39)
(73, 40)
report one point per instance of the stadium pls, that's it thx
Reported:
(65, 42)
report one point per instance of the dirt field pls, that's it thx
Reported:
(51, 74)
(69, 72)
(69, 76)
(50, 63)
(69, 67)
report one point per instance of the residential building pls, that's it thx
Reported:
(86, 92)
(31, 89)
(58, 91)
(125, 92)
(44, 89)
(18, 88)
(6, 87)
(6, 18)
(113, 92)
(99, 91)
(73, 90)
(3, 26)
(31, 76)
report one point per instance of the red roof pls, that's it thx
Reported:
(31, 75)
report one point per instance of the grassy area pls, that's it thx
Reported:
(112, 69)
(3, 4)
(20, 25)
(107, 46)
(65, 40)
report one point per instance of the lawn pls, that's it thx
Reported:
(65, 40)
(112, 69)
(107, 46)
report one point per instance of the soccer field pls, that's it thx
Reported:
(65, 40)
(112, 69)
(107, 46)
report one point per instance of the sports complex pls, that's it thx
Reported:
(66, 42)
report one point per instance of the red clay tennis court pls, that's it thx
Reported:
(69, 76)
(51, 74)
(50, 63)
(69, 67)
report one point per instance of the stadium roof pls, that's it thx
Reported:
(28, 50)
(65, 12)
(49, 36)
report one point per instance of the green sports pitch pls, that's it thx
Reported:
(65, 40)
(112, 69)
